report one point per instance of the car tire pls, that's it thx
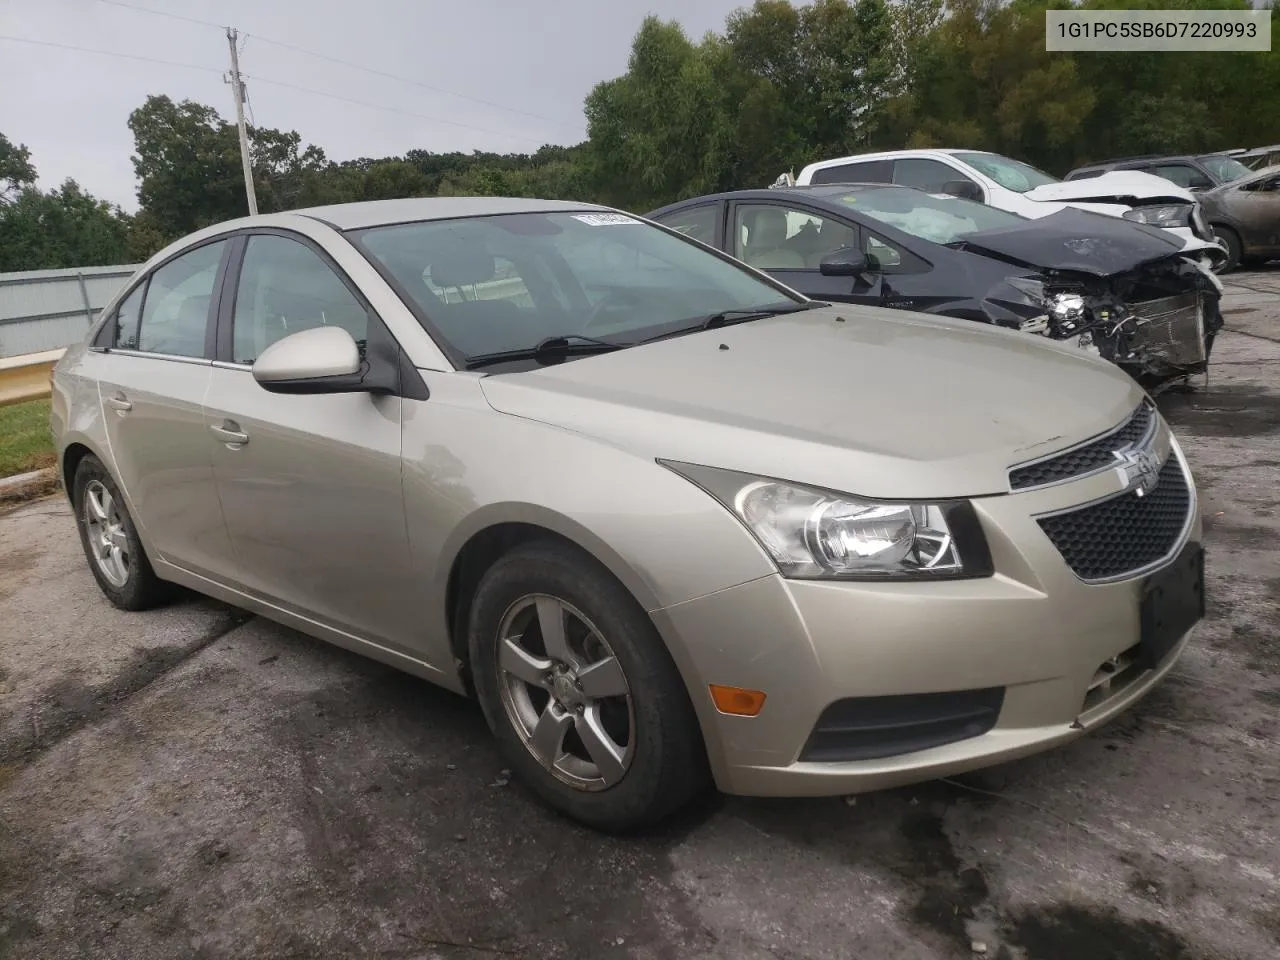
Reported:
(1231, 240)
(110, 540)
(572, 689)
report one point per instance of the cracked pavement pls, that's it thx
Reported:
(195, 783)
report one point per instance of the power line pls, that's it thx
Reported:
(275, 83)
(416, 83)
(113, 53)
(163, 13)
(345, 63)
(377, 106)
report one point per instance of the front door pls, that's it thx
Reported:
(153, 379)
(310, 484)
(789, 241)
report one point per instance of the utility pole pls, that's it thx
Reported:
(237, 89)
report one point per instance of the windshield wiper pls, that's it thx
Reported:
(723, 318)
(548, 350)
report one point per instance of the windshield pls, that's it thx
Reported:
(1225, 169)
(491, 284)
(931, 216)
(1011, 174)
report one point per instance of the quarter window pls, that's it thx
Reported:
(772, 236)
(175, 312)
(285, 287)
(127, 315)
(891, 257)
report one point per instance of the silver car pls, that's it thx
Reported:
(668, 521)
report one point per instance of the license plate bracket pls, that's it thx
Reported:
(1172, 603)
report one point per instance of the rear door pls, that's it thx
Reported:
(310, 484)
(152, 385)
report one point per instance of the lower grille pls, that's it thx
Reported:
(868, 728)
(1171, 329)
(1107, 540)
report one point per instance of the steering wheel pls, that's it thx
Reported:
(610, 301)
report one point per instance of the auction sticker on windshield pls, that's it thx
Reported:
(1154, 30)
(603, 219)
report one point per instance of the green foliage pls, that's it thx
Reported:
(25, 442)
(62, 228)
(781, 86)
(16, 170)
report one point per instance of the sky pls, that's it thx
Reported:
(500, 75)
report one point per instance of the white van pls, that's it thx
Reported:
(1020, 188)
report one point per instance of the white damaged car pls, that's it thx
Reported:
(1020, 188)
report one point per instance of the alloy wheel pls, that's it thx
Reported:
(565, 693)
(108, 538)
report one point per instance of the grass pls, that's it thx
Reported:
(25, 443)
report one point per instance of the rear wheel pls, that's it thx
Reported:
(110, 540)
(1231, 240)
(581, 693)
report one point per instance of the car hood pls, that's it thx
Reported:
(1078, 241)
(1131, 187)
(864, 400)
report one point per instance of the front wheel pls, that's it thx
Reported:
(580, 691)
(1231, 240)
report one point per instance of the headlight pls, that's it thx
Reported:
(813, 533)
(1199, 226)
(1066, 310)
(1165, 215)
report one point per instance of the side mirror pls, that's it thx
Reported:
(964, 189)
(847, 263)
(319, 360)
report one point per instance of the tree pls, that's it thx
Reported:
(16, 171)
(62, 228)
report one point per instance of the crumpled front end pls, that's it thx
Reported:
(1158, 321)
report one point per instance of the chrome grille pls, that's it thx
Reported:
(1171, 328)
(1118, 537)
(1091, 457)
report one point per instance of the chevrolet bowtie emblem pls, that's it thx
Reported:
(1139, 469)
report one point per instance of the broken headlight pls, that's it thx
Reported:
(812, 533)
(1064, 309)
(1163, 215)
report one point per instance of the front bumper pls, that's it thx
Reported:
(1034, 629)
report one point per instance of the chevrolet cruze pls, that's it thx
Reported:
(668, 521)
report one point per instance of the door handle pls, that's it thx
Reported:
(119, 402)
(229, 433)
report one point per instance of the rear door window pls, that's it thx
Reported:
(867, 171)
(175, 312)
(1183, 174)
(698, 222)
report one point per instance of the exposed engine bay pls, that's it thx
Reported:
(1158, 321)
(1121, 293)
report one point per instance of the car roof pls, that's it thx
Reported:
(373, 213)
(820, 192)
(1145, 158)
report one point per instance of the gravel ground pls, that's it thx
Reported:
(193, 783)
